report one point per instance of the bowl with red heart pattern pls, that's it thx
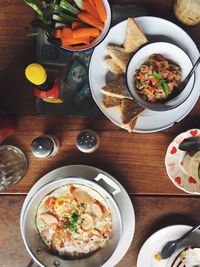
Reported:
(174, 164)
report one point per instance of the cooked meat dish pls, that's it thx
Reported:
(157, 79)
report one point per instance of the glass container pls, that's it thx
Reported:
(13, 165)
(187, 11)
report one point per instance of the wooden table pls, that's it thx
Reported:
(136, 160)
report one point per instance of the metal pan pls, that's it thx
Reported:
(36, 247)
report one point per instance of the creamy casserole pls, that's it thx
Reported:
(74, 221)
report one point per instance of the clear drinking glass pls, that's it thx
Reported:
(13, 165)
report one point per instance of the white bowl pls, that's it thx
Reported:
(171, 52)
(99, 39)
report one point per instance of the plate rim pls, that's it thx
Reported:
(159, 231)
(150, 130)
(167, 169)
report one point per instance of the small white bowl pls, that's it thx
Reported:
(171, 52)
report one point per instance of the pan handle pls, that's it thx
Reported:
(112, 187)
(32, 264)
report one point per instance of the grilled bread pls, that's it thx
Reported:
(112, 66)
(134, 37)
(110, 102)
(129, 113)
(119, 56)
(116, 88)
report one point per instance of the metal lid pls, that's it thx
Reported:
(42, 146)
(87, 141)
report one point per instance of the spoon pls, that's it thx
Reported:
(170, 247)
(190, 144)
(177, 90)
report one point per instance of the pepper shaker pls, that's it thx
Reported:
(87, 141)
(45, 146)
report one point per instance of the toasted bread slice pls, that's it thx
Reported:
(119, 56)
(110, 102)
(129, 112)
(116, 88)
(131, 125)
(112, 66)
(134, 37)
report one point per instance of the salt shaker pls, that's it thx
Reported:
(87, 141)
(45, 146)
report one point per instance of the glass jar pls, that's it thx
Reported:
(13, 165)
(187, 11)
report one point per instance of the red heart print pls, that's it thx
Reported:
(193, 132)
(192, 180)
(178, 180)
(173, 150)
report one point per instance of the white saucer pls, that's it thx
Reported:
(173, 164)
(155, 242)
(161, 30)
(122, 199)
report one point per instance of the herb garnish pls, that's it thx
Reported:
(161, 82)
(72, 221)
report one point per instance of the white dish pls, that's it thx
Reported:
(122, 199)
(170, 52)
(174, 168)
(161, 30)
(155, 242)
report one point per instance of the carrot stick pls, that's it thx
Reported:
(86, 32)
(67, 32)
(89, 19)
(73, 41)
(77, 25)
(58, 33)
(100, 9)
(90, 8)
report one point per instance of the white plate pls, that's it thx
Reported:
(173, 164)
(161, 30)
(122, 199)
(155, 242)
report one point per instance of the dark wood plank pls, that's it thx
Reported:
(152, 213)
(16, 52)
(136, 160)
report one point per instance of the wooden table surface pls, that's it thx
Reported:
(135, 160)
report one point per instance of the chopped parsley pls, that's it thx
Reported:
(72, 221)
(161, 82)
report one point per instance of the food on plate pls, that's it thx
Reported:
(157, 257)
(70, 23)
(110, 102)
(74, 221)
(116, 88)
(116, 62)
(119, 56)
(129, 110)
(157, 78)
(116, 94)
(134, 37)
(112, 66)
(189, 257)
